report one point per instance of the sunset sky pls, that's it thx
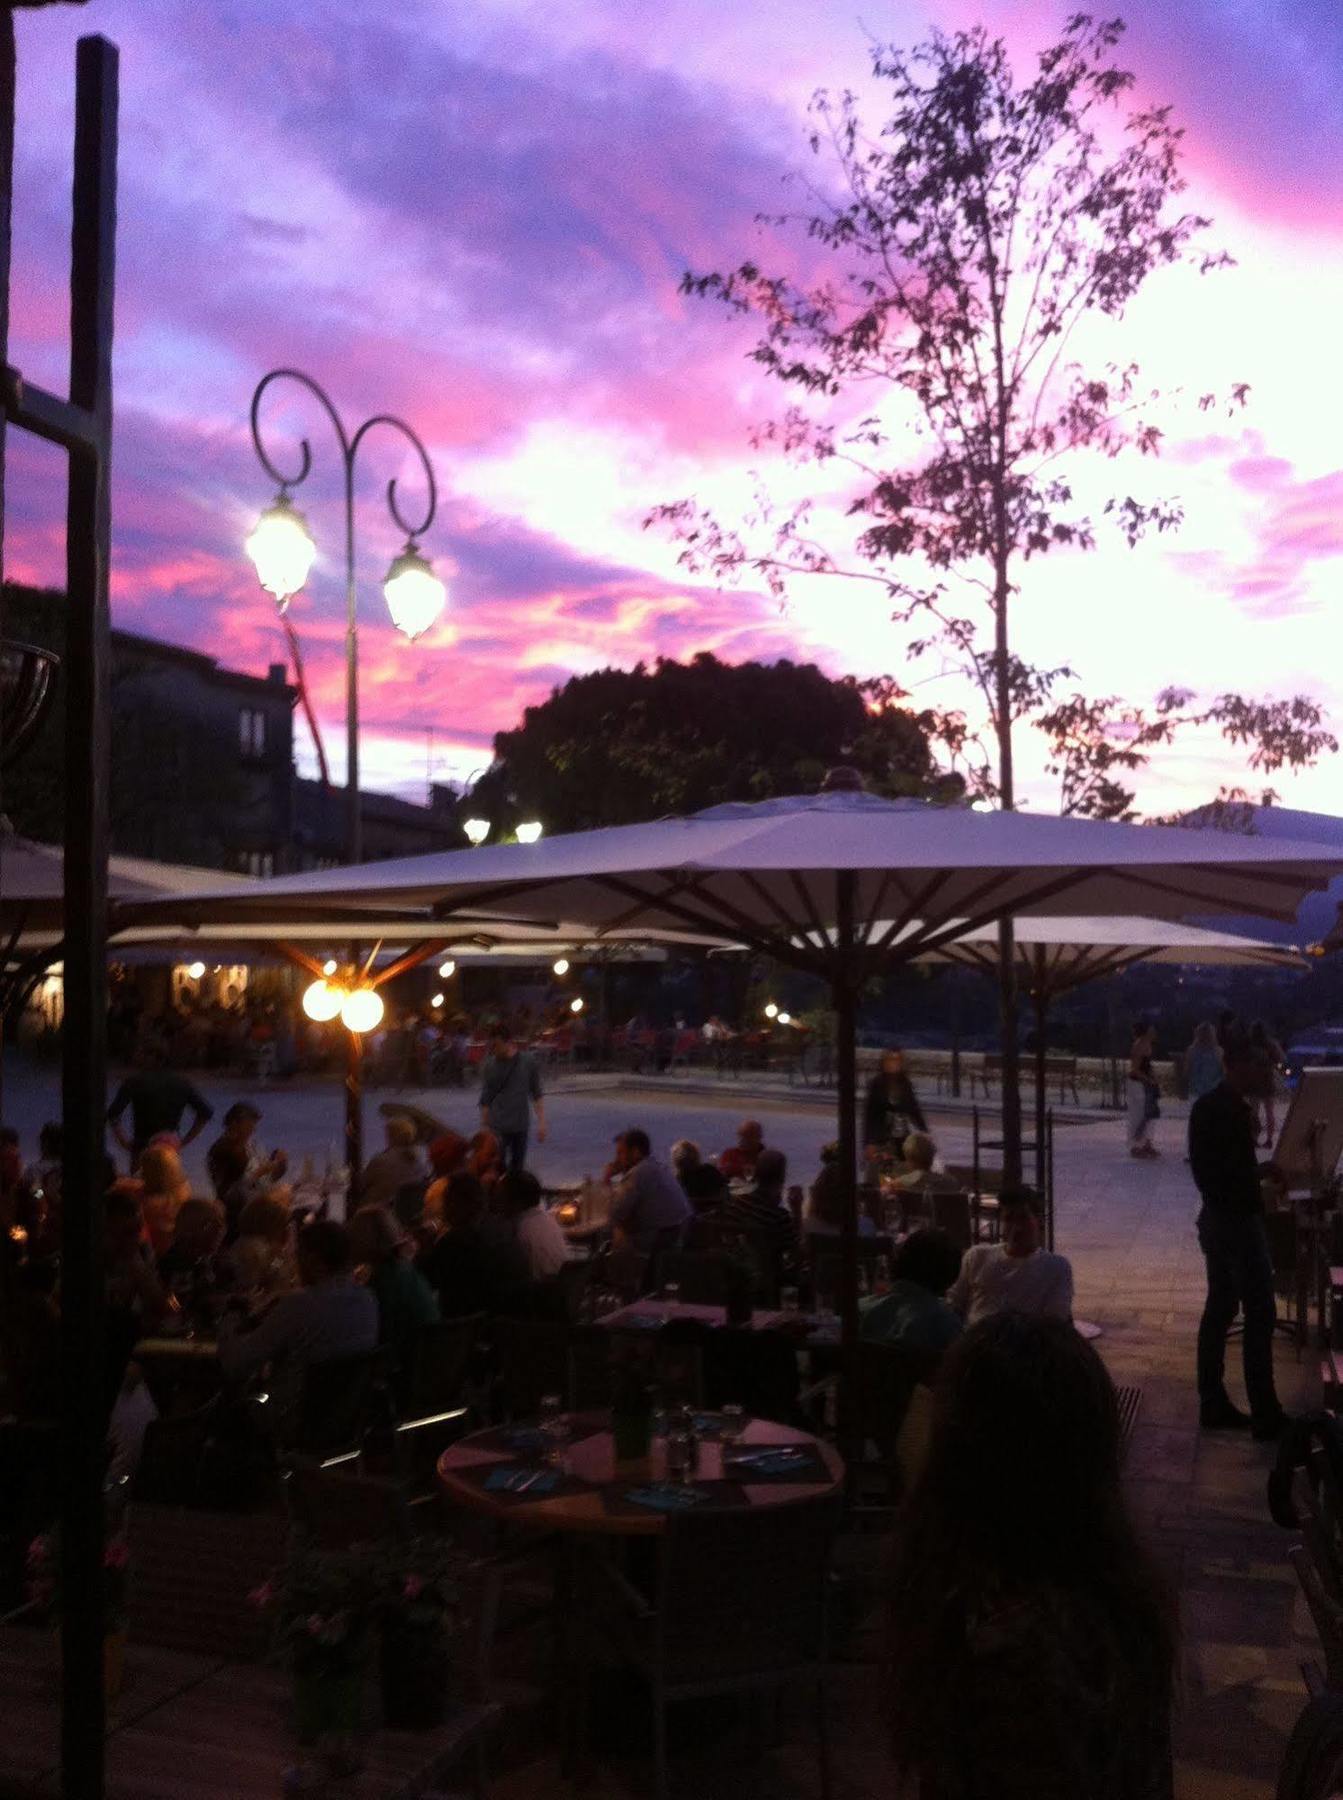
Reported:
(478, 216)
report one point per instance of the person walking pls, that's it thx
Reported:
(1202, 1062)
(1269, 1058)
(1142, 1090)
(1232, 1236)
(510, 1088)
(891, 1110)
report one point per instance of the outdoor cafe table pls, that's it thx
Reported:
(651, 1315)
(593, 1488)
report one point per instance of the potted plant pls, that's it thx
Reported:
(44, 1589)
(419, 1616)
(323, 1605)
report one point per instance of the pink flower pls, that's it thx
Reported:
(413, 1587)
(316, 1624)
(116, 1555)
(39, 1551)
(262, 1596)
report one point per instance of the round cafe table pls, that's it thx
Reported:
(592, 1493)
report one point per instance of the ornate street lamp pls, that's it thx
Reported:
(25, 693)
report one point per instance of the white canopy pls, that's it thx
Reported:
(915, 875)
(1059, 953)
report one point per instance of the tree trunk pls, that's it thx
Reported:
(1007, 949)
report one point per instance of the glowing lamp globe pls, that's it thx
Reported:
(322, 1002)
(575, 1006)
(561, 965)
(282, 551)
(329, 966)
(477, 830)
(196, 970)
(414, 594)
(529, 831)
(785, 1018)
(771, 1011)
(446, 970)
(362, 1011)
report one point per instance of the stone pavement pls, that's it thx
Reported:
(1128, 1227)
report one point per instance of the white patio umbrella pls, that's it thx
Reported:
(1055, 955)
(840, 883)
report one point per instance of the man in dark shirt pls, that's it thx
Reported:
(1231, 1234)
(157, 1097)
(477, 1265)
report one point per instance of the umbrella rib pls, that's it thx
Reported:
(878, 902)
(768, 901)
(1221, 872)
(742, 926)
(912, 911)
(956, 928)
(808, 906)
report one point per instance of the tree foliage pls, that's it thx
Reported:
(623, 745)
(947, 355)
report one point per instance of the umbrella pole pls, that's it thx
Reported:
(1041, 999)
(354, 1111)
(846, 1070)
(1011, 1053)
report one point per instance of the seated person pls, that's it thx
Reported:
(1016, 1275)
(198, 1233)
(705, 1186)
(330, 1316)
(823, 1214)
(650, 1210)
(476, 1266)
(538, 1233)
(236, 1168)
(163, 1188)
(485, 1159)
(395, 1167)
(915, 1312)
(738, 1162)
(764, 1211)
(918, 1176)
(261, 1259)
(136, 1301)
(406, 1302)
(447, 1154)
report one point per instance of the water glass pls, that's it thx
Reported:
(731, 1424)
(788, 1299)
(555, 1426)
(671, 1292)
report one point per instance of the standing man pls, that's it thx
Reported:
(510, 1087)
(1231, 1234)
(157, 1097)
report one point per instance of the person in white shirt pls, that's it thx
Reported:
(1016, 1275)
(539, 1234)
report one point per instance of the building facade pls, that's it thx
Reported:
(202, 765)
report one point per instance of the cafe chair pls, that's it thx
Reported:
(437, 1365)
(338, 1402)
(953, 1214)
(888, 1376)
(334, 1509)
(737, 1605)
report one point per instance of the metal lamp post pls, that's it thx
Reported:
(282, 550)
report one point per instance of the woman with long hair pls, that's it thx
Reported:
(165, 1187)
(1033, 1642)
(891, 1110)
(1142, 1091)
(1203, 1061)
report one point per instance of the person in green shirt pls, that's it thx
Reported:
(406, 1302)
(915, 1312)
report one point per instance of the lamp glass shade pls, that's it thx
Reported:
(785, 1018)
(437, 1000)
(446, 970)
(575, 1005)
(529, 831)
(477, 830)
(362, 1011)
(771, 1011)
(414, 594)
(561, 965)
(322, 1002)
(282, 551)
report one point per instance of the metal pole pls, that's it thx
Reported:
(1007, 1031)
(846, 1069)
(84, 1070)
(1041, 1000)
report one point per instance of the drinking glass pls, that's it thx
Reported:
(555, 1426)
(788, 1299)
(731, 1424)
(671, 1292)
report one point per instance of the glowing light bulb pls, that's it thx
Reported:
(282, 551)
(437, 1000)
(576, 1005)
(414, 594)
(529, 831)
(322, 1002)
(195, 970)
(785, 1018)
(771, 1011)
(477, 830)
(329, 966)
(561, 965)
(446, 970)
(362, 1010)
